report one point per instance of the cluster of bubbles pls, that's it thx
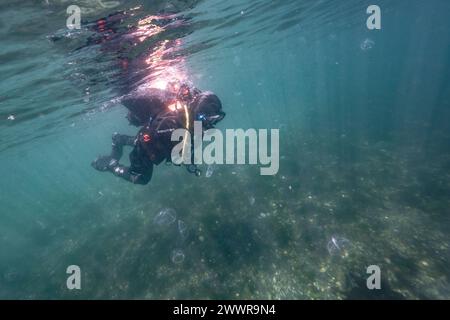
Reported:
(336, 246)
(167, 217)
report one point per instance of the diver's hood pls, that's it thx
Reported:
(207, 107)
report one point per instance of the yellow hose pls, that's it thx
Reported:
(186, 113)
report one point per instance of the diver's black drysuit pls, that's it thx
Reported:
(152, 145)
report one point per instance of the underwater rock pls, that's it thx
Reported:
(165, 217)
(177, 256)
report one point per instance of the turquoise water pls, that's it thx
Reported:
(364, 154)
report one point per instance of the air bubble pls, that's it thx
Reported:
(209, 171)
(165, 217)
(177, 256)
(182, 229)
(367, 44)
(338, 246)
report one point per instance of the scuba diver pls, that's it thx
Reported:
(158, 113)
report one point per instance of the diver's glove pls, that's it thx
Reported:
(104, 163)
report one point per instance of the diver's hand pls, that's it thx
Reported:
(104, 163)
